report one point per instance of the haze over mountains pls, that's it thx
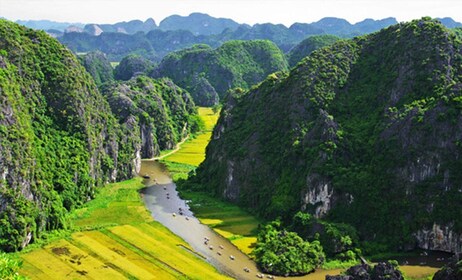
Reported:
(177, 32)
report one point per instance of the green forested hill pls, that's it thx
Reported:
(209, 73)
(307, 46)
(365, 132)
(162, 112)
(59, 140)
(99, 67)
(132, 65)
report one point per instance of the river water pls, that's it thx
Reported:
(161, 198)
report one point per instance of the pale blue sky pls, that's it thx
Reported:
(242, 11)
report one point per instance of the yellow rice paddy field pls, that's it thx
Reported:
(116, 238)
(192, 152)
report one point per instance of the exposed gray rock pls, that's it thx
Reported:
(440, 238)
(381, 271)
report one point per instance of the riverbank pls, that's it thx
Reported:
(226, 219)
(114, 237)
(239, 226)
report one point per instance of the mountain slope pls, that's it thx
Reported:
(307, 46)
(365, 132)
(99, 67)
(162, 113)
(207, 72)
(58, 138)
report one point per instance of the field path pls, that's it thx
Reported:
(177, 148)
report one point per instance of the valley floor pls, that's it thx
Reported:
(116, 237)
(118, 240)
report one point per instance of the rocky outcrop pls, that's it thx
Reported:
(159, 112)
(130, 27)
(198, 24)
(319, 195)
(131, 66)
(380, 271)
(440, 238)
(204, 93)
(99, 67)
(93, 29)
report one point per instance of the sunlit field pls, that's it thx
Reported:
(192, 152)
(116, 238)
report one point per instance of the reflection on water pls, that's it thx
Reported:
(162, 199)
(433, 259)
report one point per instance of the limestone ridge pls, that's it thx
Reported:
(130, 27)
(58, 138)
(198, 24)
(365, 132)
(177, 32)
(160, 111)
(209, 73)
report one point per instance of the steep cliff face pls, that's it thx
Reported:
(160, 113)
(365, 132)
(204, 71)
(58, 138)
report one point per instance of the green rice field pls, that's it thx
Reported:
(116, 238)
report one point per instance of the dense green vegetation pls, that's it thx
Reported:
(9, 267)
(131, 65)
(282, 252)
(338, 240)
(207, 72)
(159, 112)
(58, 138)
(307, 46)
(99, 67)
(115, 45)
(362, 133)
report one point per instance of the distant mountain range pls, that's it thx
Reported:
(203, 24)
(177, 32)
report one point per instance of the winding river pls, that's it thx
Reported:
(161, 198)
